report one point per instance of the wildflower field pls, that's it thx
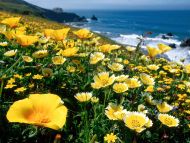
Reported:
(61, 84)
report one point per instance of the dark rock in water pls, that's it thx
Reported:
(165, 37)
(94, 18)
(83, 19)
(172, 46)
(185, 43)
(169, 34)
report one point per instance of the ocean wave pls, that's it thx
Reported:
(176, 54)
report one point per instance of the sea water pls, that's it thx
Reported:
(126, 26)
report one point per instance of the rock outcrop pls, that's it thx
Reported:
(185, 43)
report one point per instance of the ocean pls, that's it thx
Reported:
(125, 26)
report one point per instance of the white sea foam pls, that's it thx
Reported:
(175, 54)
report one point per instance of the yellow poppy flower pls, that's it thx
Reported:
(136, 121)
(110, 138)
(164, 48)
(10, 53)
(25, 40)
(27, 59)
(133, 83)
(48, 32)
(83, 33)
(39, 109)
(12, 22)
(168, 120)
(58, 60)
(120, 87)
(146, 79)
(152, 52)
(107, 48)
(60, 34)
(83, 97)
(40, 54)
(69, 52)
(96, 57)
(187, 68)
(102, 80)
(11, 34)
(164, 107)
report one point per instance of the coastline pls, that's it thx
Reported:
(177, 54)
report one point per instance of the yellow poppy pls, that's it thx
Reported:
(12, 22)
(44, 110)
(164, 48)
(25, 40)
(11, 34)
(152, 52)
(60, 34)
(57, 35)
(83, 33)
(107, 48)
(187, 68)
(48, 32)
(69, 52)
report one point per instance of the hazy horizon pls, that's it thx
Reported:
(114, 5)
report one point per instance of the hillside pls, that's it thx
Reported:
(22, 7)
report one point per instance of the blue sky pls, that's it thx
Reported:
(113, 4)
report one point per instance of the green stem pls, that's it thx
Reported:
(93, 139)
(86, 124)
(1, 88)
(9, 69)
(106, 94)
